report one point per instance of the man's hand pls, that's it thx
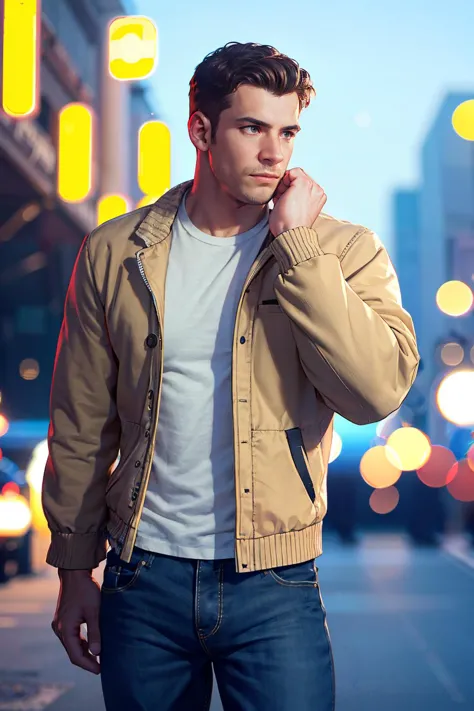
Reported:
(78, 602)
(298, 200)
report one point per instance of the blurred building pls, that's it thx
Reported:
(434, 243)
(406, 219)
(39, 233)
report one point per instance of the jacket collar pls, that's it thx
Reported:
(156, 225)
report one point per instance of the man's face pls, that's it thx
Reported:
(254, 136)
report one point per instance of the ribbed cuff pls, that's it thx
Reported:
(295, 246)
(77, 551)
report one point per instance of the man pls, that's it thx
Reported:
(210, 340)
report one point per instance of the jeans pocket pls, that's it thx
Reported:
(120, 576)
(297, 574)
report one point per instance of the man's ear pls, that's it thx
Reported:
(200, 130)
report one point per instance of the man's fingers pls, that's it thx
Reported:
(76, 648)
(93, 631)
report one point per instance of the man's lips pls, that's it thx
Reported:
(265, 176)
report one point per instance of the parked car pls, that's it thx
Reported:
(15, 519)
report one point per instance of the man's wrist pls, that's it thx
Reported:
(64, 573)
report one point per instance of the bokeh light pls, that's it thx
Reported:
(383, 501)
(454, 298)
(4, 425)
(15, 515)
(463, 120)
(377, 469)
(34, 476)
(111, 206)
(439, 470)
(411, 448)
(133, 48)
(20, 86)
(452, 354)
(455, 397)
(29, 369)
(336, 447)
(75, 141)
(470, 456)
(461, 486)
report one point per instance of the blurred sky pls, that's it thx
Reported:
(380, 70)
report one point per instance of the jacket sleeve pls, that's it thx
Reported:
(356, 343)
(84, 430)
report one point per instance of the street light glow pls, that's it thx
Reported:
(452, 354)
(463, 120)
(437, 471)
(411, 446)
(454, 298)
(377, 469)
(455, 397)
(383, 501)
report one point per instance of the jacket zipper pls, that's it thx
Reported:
(261, 259)
(129, 540)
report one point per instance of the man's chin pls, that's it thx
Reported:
(259, 196)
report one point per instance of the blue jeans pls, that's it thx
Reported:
(166, 622)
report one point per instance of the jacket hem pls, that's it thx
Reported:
(257, 553)
(279, 549)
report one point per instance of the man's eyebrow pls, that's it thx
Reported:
(250, 119)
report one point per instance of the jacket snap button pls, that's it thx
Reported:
(152, 340)
(137, 463)
(242, 339)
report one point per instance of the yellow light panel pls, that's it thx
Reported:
(110, 206)
(21, 28)
(75, 152)
(154, 158)
(133, 47)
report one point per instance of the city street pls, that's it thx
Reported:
(400, 618)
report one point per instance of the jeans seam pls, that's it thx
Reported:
(197, 597)
(220, 605)
(197, 617)
(331, 656)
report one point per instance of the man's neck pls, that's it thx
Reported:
(216, 213)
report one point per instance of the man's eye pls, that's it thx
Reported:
(254, 130)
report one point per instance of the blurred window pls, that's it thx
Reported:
(45, 116)
(71, 34)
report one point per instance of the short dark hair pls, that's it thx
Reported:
(222, 72)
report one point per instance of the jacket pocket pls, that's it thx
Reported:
(299, 456)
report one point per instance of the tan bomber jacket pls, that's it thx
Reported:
(319, 329)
